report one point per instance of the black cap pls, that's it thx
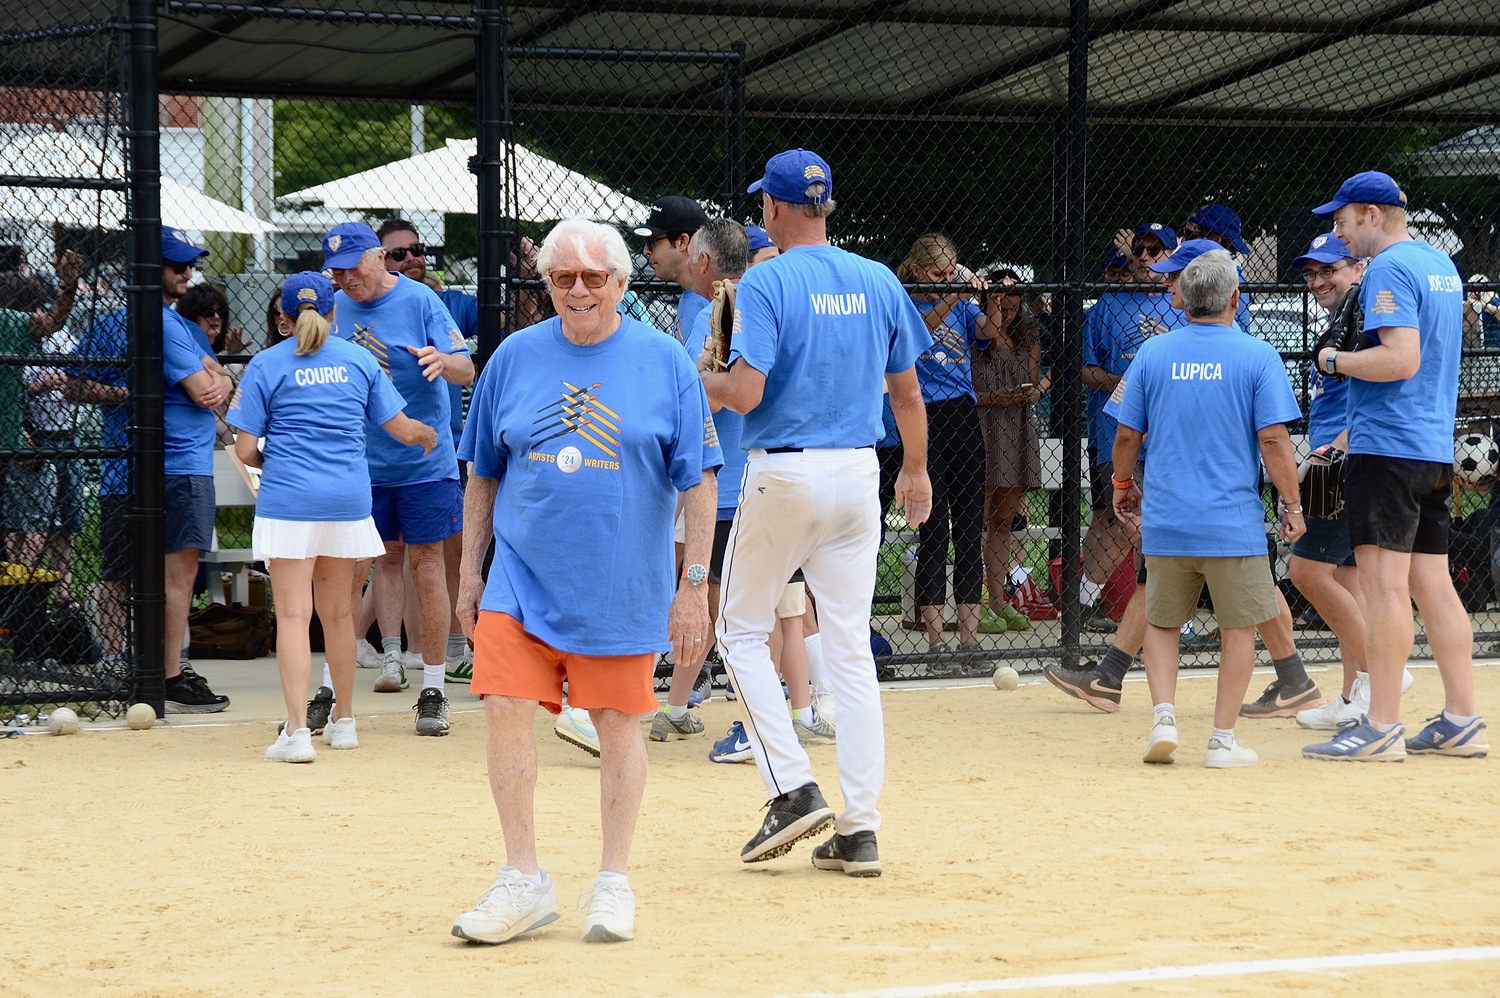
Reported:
(673, 215)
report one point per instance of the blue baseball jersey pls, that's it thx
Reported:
(106, 337)
(1113, 332)
(943, 368)
(464, 308)
(729, 426)
(1202, 393)
(1411, 283)
(688, 307)
(590, 446)
(313, 411)
(408, 315)
(191, 430)
(824, 326)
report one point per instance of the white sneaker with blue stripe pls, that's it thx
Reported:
(1361, 742)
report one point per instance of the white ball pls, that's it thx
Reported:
(1476, 460)
(140, 716)
(1006, 678)
(63, 721)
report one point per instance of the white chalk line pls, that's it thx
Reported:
(1301, 965)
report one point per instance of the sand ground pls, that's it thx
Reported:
(1023, 838)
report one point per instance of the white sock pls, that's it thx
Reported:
(611, 878)
(327, 677)
(1165, 710)
(432, 676)
(1460, 719)
(388, 645)
(1088, 591)
(1225, 736)
(814, 643)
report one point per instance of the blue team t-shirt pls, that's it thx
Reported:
(464, 308)
(313, 410)
(190, 429)
(1113, 332)
(408, 315)
(688, 307)
(106, 337)
(729, 426)
(943, 368)
(1411, 283)
(824, 326)
(590, 446)
(1327, 408)
(1202, 393)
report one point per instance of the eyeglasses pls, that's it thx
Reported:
(1150, 249)
(400, 253)
(177, 268)
(592, 279)
(1308, 276)
(653, 240)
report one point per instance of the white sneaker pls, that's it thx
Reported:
(575, 727)
(366, 655)
(816, 731)
(611, 914)
(823, 705)
(1163, 741)
(1359, 693)
(514, 904)
(1234, 756)
(294, 747)
(340, 734)
(1331, 716)
(392, 678)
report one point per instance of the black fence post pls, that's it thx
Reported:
(490, 104)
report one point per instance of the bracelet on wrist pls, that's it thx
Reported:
(1126, 484)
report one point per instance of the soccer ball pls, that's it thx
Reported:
(1476, 460)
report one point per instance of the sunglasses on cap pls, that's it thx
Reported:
(400, 253)
(592, 279)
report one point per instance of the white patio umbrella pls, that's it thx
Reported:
(440, 181)
(57, 154)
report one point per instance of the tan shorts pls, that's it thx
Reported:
(1243, 592)
(793, 602)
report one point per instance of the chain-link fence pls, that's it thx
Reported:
(1019, 164)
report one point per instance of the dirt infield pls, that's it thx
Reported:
(1023, 838)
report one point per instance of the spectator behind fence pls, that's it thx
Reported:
(1206, 394)
(666, 234)
(310, 397)
(1403, 397)
(624, 428)
(955, 442)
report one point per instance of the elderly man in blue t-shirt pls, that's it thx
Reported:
(1216, 401)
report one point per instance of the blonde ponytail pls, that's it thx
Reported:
(311, 330)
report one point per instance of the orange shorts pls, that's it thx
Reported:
(511, 663)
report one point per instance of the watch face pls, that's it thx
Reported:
(697, 575)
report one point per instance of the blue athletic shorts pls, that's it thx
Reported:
(1326, 541)
(190, 512)
(422, 513)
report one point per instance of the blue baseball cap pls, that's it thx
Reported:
(1184, 255)
(346, 243)
(1370, 187)
(1116, 259)
(1160, 230)
(1221, 221)
(310, 287)
(1327, 248)
(759, 238)
(176, 248)
(796, 176)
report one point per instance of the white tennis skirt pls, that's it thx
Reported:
(316, 539)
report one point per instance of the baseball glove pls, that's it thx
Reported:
(1322, 485)
(1347, 330)
(720, 325)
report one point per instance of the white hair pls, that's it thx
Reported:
(1208, 283)
(598, 246)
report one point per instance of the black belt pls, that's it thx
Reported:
(798, 450)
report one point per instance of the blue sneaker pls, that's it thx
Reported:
(1443, 737)
(1358, 741)
(733, 747)
(703, 690)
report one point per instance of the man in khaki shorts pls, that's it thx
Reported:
(1215, 402)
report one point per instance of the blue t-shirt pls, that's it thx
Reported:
(943, 368)
(729, 426)
(410, 314)
(191, 430)
(824, 326)
(1203, 392)
(313, 410)
(590, 446)
(106, 337)
(1113, 331)
(688, 307)
(1327, 408)
(1411, 283)
(464, 308)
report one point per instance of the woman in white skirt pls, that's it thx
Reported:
(309, 397)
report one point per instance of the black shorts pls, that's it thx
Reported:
(1101, 486)
(1397, 504)
(114, 538)
(716, 556)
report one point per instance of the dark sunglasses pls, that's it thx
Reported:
(177, 268)
(400, 252)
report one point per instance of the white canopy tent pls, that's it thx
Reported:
(440, 181)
